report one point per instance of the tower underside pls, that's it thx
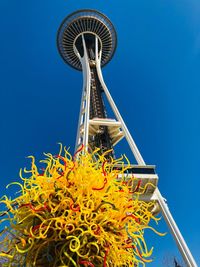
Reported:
(89, 22)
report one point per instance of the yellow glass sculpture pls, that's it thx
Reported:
(76, 212)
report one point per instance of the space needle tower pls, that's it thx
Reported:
(87, 41)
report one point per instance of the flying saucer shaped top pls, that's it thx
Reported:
(89, 22)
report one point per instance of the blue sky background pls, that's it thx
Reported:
(153, 77)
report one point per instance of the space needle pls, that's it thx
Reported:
(87, 41)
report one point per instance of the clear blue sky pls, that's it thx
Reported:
(153, 77)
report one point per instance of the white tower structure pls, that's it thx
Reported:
(87, 41)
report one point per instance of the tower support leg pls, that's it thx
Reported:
(127, 134)
(183, 248)
(82, 138)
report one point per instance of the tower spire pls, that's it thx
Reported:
(87, 41)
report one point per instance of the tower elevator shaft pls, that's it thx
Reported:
(102, 138)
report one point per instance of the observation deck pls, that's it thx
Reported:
(92, 24)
